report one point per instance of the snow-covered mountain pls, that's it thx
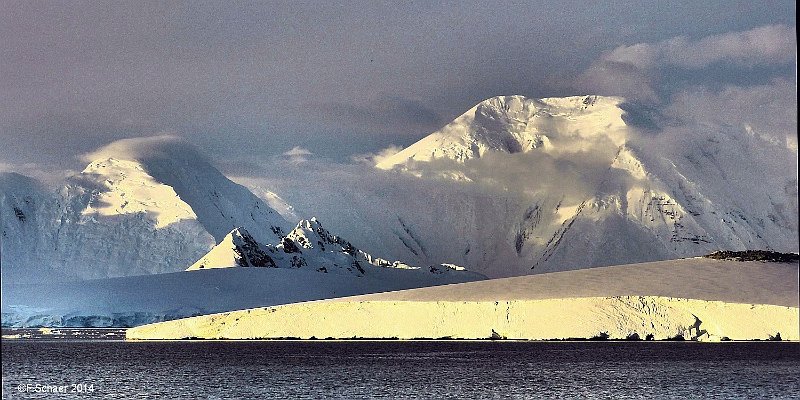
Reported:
(512, 187)
(152, 208)
(145, 208)
(515, 124)
(518, 185)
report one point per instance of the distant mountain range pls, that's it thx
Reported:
(156, 213)
(110, 247)
(514, 186)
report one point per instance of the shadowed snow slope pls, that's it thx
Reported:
(698, 299)
(136, 300)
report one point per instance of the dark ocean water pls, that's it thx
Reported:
(400, 369)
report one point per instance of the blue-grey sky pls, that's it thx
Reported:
(246, 81)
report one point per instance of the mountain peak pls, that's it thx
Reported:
(125, 187)
(170, 180)
(238, 248)
(517, 124)
(310, 246)
(309, 234)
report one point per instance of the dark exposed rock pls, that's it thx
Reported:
(436, 270)
(20, 215)
(289, 246)
(633, 337)
(251, 255)
(298, 262)
(358, 266)
(755, 255)
(600, 336)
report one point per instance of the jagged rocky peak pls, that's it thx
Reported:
(308, 246)
(238, 249)
(309, 234)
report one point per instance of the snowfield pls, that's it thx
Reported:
(696, 299)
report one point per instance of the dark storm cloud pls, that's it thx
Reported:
(250, 80)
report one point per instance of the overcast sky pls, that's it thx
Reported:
(246, 82)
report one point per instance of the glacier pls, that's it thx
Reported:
(136, 300)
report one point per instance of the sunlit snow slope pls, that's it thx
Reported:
(695, 299)
(515, 124)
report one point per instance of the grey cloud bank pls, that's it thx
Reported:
(633, 71)
(247, 82)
